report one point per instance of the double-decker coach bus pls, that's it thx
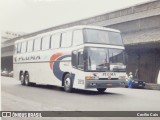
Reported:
(79, 57)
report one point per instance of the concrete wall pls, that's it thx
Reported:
(7, 63)
(147, 61)
(138, 25)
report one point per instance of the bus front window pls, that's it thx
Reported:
(102, 37)
(117, 60)
(97, 59)
(103, 59)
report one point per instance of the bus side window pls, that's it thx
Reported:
(15, 49)
(74, 59)
(77, 37)
(30, 46)
(19, 47)
(24, 45)
(66, 39)
(45, 42)
(80, 60)
(37, 44)
(55, 40)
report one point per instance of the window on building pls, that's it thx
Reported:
(77, 37)
(66, 39)
(24, 45)
(30, 46)
(37, 44)
(55, 40)
(45, 42)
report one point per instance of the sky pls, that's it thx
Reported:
(28, 16)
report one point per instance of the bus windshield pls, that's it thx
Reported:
(103, 59)
(102, 37)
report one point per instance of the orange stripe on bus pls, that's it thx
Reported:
(53, 58)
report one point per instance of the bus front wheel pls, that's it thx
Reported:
(68, 84)
(101, 90)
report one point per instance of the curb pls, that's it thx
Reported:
(152, 86)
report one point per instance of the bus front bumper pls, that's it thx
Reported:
(104, 83)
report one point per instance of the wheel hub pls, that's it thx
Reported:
(22, 78)
(67, 82)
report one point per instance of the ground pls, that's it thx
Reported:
(49, 98)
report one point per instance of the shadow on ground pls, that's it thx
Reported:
(75, 91)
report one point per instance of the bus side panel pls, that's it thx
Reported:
(40, 73)
(79, 79)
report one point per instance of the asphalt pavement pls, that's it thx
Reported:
(50, 98)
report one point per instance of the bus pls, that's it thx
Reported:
(80, 57)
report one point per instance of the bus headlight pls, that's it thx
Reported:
(91, 78)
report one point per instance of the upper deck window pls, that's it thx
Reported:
(30, 46)
(37, 44)
(102, 37)
(24, 45)
(19, 47)
(55, 40)
(77, 37)
(45, 42)
(15, 48)
(66, 39)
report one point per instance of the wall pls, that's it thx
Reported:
(7, 63)
(147, 61)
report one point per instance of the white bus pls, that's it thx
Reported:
(80, 57)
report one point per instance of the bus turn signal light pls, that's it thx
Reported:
(88, 77)
(91, 78)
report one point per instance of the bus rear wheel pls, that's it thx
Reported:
(22, 79)
(68, 84)
(26, 79)
(101, 90)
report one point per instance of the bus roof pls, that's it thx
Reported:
(70, 28)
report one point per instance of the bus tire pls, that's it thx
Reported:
(26, 79)
(68, 83)
(101, 90)
(22, 78)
